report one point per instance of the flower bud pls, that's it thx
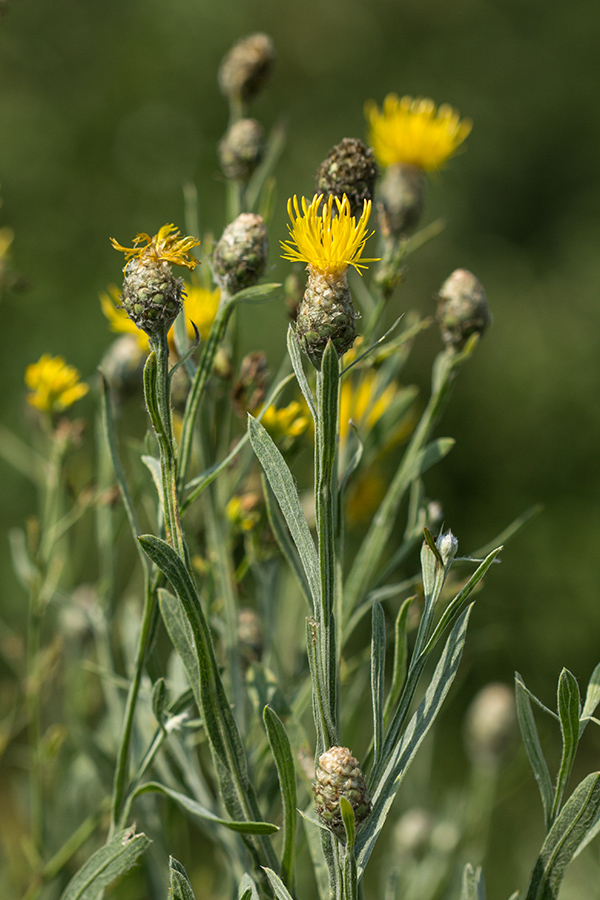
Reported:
(490, 723)
(462, 308)
(402, 192)
(240, 257)
(349, 168)
(339, 775)
(241, 149)
(448, 547)
(325, 314)
(247, 66)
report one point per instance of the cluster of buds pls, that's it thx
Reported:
(339, 775)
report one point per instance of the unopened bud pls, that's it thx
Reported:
(490, 723)
(152, 295)
(247, 66)
(240, 257)
(241, 149)
(402, 193)
(325, 314)
(448, 546)
(462, 308)
(339, 775)
(349, 168)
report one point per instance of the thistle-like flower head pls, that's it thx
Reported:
(54, 384)
(163, 247)
(412, 132)
(328, 239)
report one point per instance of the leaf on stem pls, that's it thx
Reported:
(179, 883)
(200, 812)
(282, 754)
(106, 864)
(533, 747)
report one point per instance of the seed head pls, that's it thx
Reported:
(462, 308)
(339, 775)
(241, 149)
(240, 257)
(247, 66)
(349, 168)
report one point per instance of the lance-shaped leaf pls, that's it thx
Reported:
(279, 888)
(565, 837)
(198, 811)
(592, 699)
(179, 630)
(377, 675)
(105, 865)
(179, 883)
(283, 486)
(282, 754)
(568, 704)
(533, 747)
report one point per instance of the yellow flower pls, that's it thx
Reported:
(54, 384)
(328, 240)
(409, 131)
(364, 403)
(163, 247)
(287, 422)
(241, 513)
(200, 306)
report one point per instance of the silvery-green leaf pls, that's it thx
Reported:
(533, 746)
(282, 484)
(592, 698)
(179, 630)
(105, 865)
(473, 885)
(568, 704)
(179, 883)
(377, 675)
(198, 811)
(247, 889)
(282, 754)
(567, 834)
(279, 888)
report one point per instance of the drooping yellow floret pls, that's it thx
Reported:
(164, 246)
(54, 385)
(328, 240)
(412, 132)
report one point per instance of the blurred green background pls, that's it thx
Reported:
(106, 108)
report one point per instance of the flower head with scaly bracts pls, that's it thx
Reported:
(54, 385)
(152, 296)
(327, 240)
(411, 132)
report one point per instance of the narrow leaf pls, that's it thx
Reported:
(282, 754)
(200, 812)
(282, 484)
(349, 823)
(565, 837)
(279, 888)
(179, 630)
(296, 358)
(179, 883)
(153, 466)
(247, 889)
(568, 704)
(105, 865)
(533, 746)
(400, 658)
(377, 676)
(592, 698)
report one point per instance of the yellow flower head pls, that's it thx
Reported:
(411, 132)
(365, 403)
(54, 384)
(163, 247)
(287, 422)
(330, 239)
(200, 307)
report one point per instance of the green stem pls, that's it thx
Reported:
(325, 511)
(119, 809)
(157, 391)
